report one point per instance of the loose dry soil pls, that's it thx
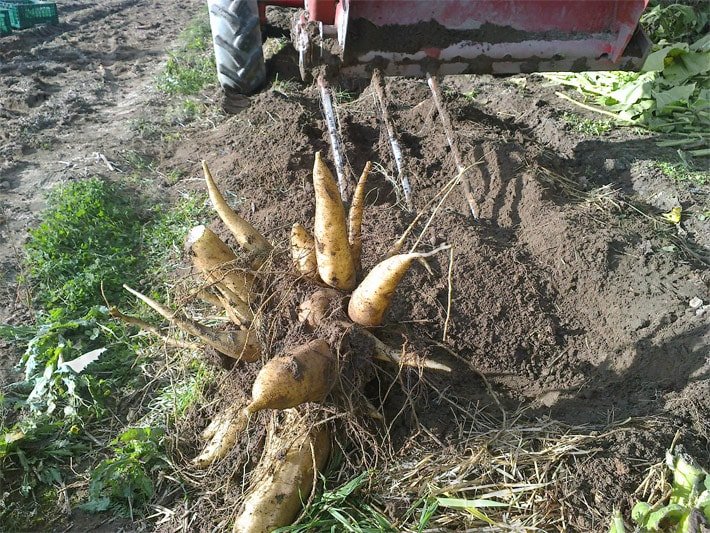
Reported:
(565, 297)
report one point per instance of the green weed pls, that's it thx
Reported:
(191, 67)
(174, 399)
(342, 509)
(88, 236)
(683, 172)
(137, 161)
(124, 482)
(587, 126)
(284, 87)
(163, 237)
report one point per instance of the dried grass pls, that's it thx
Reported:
(514, 475)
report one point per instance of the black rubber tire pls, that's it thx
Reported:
(236, 35)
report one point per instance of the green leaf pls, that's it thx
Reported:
(632, 92)
(686, 66)
(655, 62)
(673, 96)
(96, 506)
(640, 512)
(672, 513)
(702, 44)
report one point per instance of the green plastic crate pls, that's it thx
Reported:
(5, 28)
(27, 13)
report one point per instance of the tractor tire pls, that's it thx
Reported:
(236, 35)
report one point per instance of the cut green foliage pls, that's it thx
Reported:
(71, 367)
(191, 67)
(672, 93)
(342, 509)
(587, 126)
(88, 236)
(79, 363)
(124, 482)
(685, 508)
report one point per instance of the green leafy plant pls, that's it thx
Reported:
(162, 241)
(342, 509)
(38, 446)
(684, 510)
(682, 171)
(72, 366)
(675, 22)
(124, 482)
(88, 235)
(587, 126)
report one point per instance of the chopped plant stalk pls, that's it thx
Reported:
(452, 139)
(336, 144)
(378, 84)
(241, 345)
(247, 237)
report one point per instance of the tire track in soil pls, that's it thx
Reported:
(68, 93)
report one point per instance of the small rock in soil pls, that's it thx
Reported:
(695, 302)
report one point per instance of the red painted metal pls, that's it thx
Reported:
(321, 10)
(616, 17)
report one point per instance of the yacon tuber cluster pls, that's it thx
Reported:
(331, 255)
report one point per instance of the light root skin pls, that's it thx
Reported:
(357, 208)
(315, 309)
(223, 433)
(370, 301)
(303, 251)
(333, 253)
(245, 234)
(305, 375)
(215, 260)
(241, 345)
(284, 476)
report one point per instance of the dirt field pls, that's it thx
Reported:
(569, 294)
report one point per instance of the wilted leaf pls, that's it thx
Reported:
(673, 216)
(673, 96)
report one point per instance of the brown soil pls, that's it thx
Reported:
(576, 310)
